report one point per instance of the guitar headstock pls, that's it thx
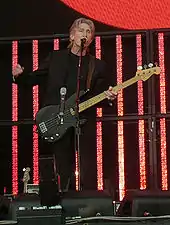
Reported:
(147, 72)
(26, 176)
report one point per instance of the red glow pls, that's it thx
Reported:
(56, 44)
(131, 14)
(163, 138)
(35, 109)
(120, 123)
(141, 124)
(77, 172)
(14, 118)
(99, 130)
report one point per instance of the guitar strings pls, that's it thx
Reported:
(87, 104)
(66, 113)
(51, 122)
(52, 125)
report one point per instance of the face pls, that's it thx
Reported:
(83, 31)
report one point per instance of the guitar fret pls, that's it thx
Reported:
(126, 83)
(94, 100)
(141, 75)
(98, 98)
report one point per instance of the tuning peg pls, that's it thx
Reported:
(27, 168)
(156, 64)
(139, 68)
(150, 65)
(145, 66)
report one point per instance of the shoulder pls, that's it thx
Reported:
(60, 53)
(59, 56)
(100, 65)
(100, 62)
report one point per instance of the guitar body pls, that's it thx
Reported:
(49, 122)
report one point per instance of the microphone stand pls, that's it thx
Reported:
(77, 130)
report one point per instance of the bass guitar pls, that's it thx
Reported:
(48, 120)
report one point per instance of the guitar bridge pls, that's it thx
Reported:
(72, 111)
(43, 127)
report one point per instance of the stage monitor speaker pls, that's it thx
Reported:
(145, 203)
(47, 168)
(86, 204)
(48, 185)
(4, 207)
(26, 209)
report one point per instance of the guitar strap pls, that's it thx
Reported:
(90, 72)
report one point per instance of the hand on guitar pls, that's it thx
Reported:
(110, 94)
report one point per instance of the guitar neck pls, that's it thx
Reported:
(25, 187)
(100, 97)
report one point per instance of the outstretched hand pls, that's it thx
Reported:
(17, 70)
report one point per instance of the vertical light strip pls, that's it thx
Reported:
(99, 130)
(35, 109)
(163, 139)
(77, 172)
(14, 118)
(141, 126)
(120, 123)
(56, 44)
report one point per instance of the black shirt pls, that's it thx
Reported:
(72, 73)
(60, 68)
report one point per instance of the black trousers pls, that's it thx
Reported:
(64, 151)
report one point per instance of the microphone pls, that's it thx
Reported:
(83, 41)
(63, 92)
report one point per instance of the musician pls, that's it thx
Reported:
(60, 69)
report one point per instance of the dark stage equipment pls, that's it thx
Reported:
(26, 209)
(145, 203)
(86, 204)
(49, 185)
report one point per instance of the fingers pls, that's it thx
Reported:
(17, 70)
(111, 89)
(110, 94)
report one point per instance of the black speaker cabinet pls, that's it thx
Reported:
(4, 207)
(27, 209)
(86, 204)
(47, 168)
(145, 203)
(48, 185)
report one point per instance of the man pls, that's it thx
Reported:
(60, 69)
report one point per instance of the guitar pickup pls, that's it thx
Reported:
(43, 127)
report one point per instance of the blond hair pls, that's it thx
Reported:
(76, 24)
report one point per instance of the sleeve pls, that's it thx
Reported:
(103, 78)
(36, 77)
